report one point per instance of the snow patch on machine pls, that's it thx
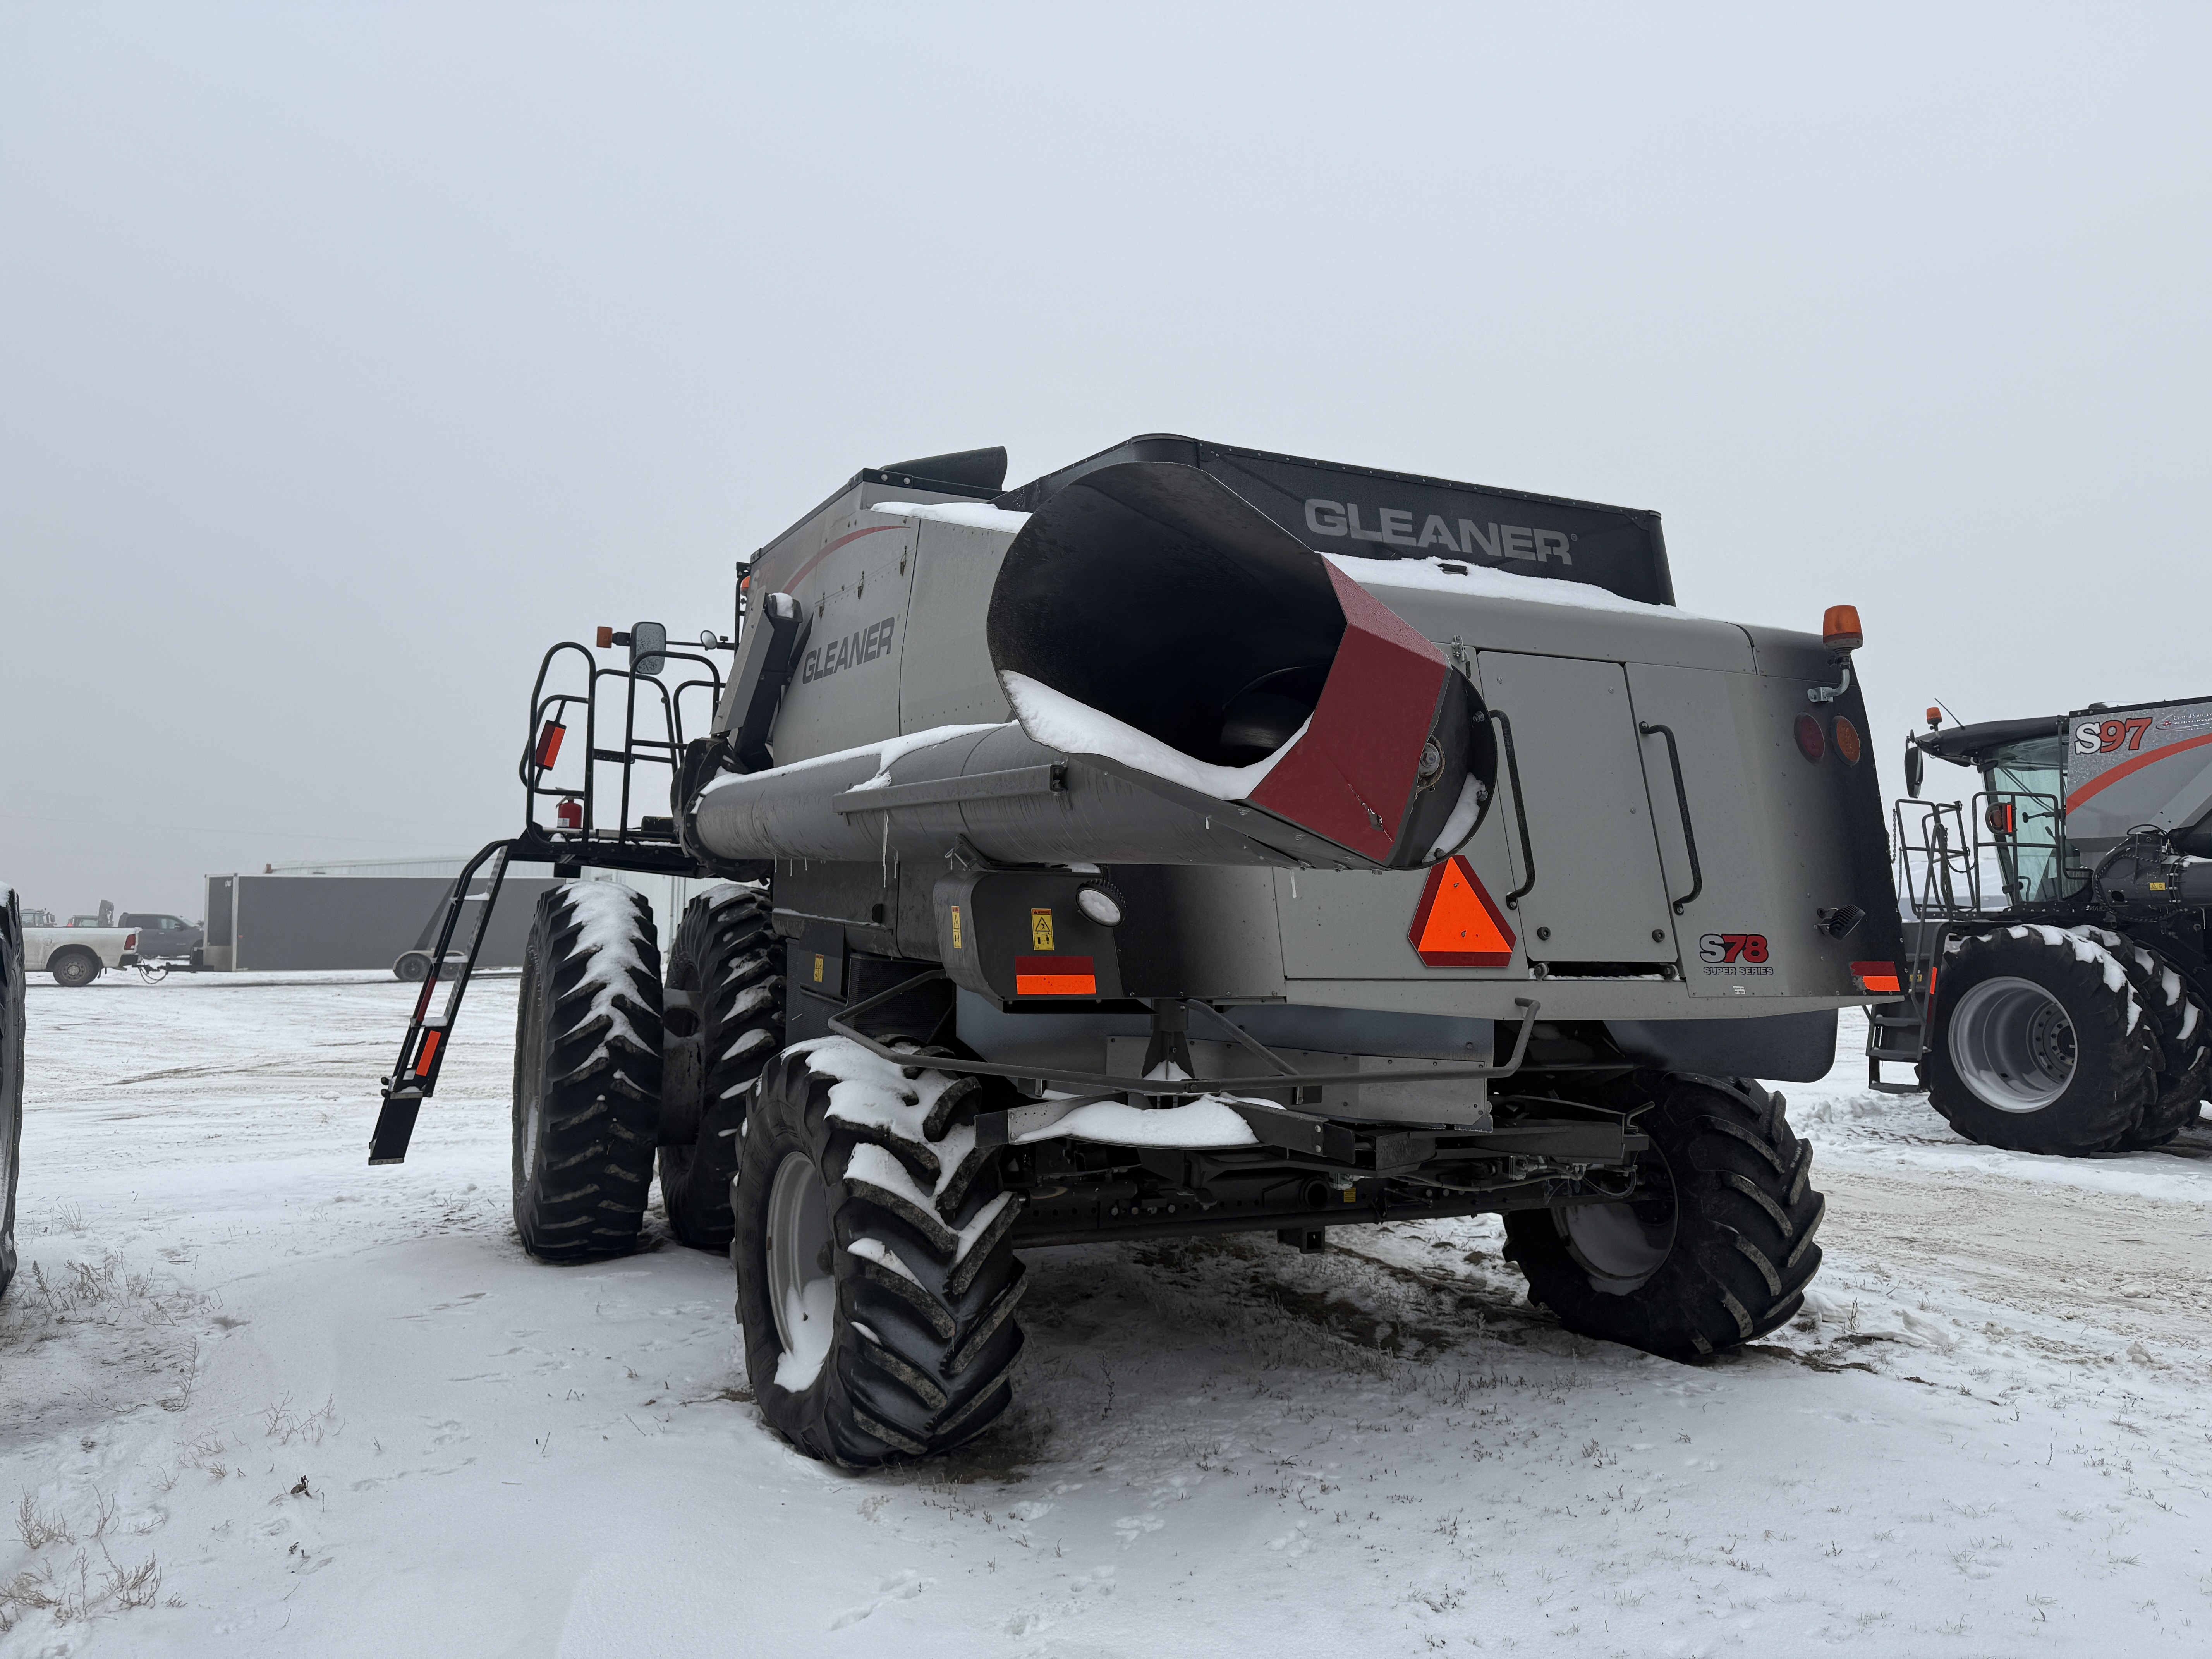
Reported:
(976, 515)
(1059, 721)
(1429, 575)
(1205, 1124)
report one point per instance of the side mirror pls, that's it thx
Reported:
(648, 648)
(1914, 762)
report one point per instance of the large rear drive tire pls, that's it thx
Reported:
(587, 1072)
(725, 961)
(11, 1080)
(2038, 1044)
(1714, 1248)
(876, 1283)
(2184, 1040)
(74, 967)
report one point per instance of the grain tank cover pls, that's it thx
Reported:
(1375, 514)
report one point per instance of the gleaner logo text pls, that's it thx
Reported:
(1394, 526)
(870, 643)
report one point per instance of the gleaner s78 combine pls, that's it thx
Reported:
(1191, 841)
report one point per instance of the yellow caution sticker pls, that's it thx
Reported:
(818, 965)
(955, 928)
(1041, 929)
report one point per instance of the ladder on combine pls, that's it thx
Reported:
(1894, 1037)
(423, 1050)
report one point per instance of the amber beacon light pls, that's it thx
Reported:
(1841, 634)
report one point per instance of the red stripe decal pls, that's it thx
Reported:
(801, 573)
(2125, 767)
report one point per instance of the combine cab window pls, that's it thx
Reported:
(2023, 783)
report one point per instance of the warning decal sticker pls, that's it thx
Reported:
(1456, 925)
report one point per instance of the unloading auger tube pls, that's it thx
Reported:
(1192, 685)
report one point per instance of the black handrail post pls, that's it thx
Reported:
(1682, 804)
(1520, 812)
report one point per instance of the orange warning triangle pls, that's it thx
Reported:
(1456, 925)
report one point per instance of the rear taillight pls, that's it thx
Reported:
(1810, 744)
(130, 942)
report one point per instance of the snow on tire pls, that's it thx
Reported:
(1713, 1250)
(876, 1283)
(587, 1072)
(726, 962)
(2038, 1044)
(2178, 1021)
(11, 1078)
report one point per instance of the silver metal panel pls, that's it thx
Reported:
(1481, 620)
(2159, 771)
(1772, 828)
(1599, 890)
(845, 689)
(1717, 723)
(951, 683)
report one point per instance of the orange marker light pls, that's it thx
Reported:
(606, 639)
(1839, 628)
(1847, 739)
(1056, 976)
(1935, 717)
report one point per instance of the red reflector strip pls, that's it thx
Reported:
(428, 1054)
(1056, 976)
(549, 744)
(1877, 976)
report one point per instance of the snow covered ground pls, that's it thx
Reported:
(258, 1398)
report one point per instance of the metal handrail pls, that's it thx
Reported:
(1682, 804)
(1520, 812)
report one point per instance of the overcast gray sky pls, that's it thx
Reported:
(349, 354)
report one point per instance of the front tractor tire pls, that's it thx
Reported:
(1713, 1248)
(2038, 1044)
(876, 1283)
(587, 1072)
(2183, 1031)
(725, 1020)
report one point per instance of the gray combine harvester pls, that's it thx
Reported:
(2056, 982)
(1192, 840)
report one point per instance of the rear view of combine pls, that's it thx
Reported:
(1192, 840)
(2057, 982)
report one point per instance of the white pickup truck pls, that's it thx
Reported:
(78, 956)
